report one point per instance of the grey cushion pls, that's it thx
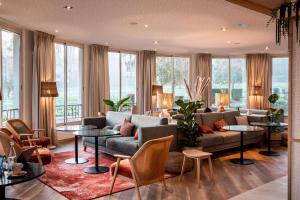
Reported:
(101, 140)
(96, 121)
(113, 118)
(210, 118)
(230, 136)
(148, 121)
(211, 139)
(126, 145)
(229, 117)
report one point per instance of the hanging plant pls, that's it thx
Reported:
(282, 17)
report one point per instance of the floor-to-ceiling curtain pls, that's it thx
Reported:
(259, 74)
(43, 109)
(202, 68)
(98, 80)
(146, 78)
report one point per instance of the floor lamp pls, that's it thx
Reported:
(48, 90)
(256, 93)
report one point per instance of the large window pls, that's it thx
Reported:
(10, 75)
(122, 75)
(69, 83)
(280, 71)
(170, 73)
(229, 76)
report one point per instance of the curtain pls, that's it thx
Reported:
(146, 78)
(202, 68)
(98, 80)
(43, 109)
(259, 74)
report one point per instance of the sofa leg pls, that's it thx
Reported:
(84, 148)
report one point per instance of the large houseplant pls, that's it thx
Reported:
(119, 105)
(187, 124)
(274, 113)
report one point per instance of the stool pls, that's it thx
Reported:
(198, 156)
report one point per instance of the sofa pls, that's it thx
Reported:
(224, 140)
(149, 128)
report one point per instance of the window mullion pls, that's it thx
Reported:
(65, 84)
(120, 75)
(1, 79)
(229, 81)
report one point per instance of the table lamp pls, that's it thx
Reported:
(222, 99)
(165, 102)
(156, 89)
(256, 92)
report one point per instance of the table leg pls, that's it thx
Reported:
(76, 160)
(2, 192)
(96, 169)
(269, 152)
(241, 160)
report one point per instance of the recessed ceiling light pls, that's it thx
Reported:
(155, 42)
(228, 42)
(0, 3)
(133, 23)
(223, 29)
(68, 7)
(267, 48)
(106, 43)
(146, 26)
(56, 31)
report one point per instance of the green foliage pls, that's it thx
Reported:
(275, 114)
(187, 123)
(273, 98)
(117, 106)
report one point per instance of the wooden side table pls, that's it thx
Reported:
(198, 156)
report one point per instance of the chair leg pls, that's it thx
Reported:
(211, 169)
(165, 184)
(198, 171)
(182, 169)
(38, 156)
(84, 148)
(115, 176)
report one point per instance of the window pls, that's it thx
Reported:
(170, 73)
(122, 75)
(229, 76)
(280, 74)
(10, 74)
(69, 83)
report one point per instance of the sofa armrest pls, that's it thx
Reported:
(148, 133)
(96, 121)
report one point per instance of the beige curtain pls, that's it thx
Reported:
(202, 68)
(98, 80)
(146, 78)
(43, 109)
(259, 74)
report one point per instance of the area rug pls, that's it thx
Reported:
(70, 180)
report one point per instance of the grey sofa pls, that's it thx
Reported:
(149, 128)
(223, 140)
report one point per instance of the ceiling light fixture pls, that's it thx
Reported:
(0, 3)
(267, 48)
(106, 43)
(56, 31)
(228, 42)
(146, 26)
(223, 29)
(155, 42)
(68, 7)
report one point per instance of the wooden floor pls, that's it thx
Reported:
(230, 180)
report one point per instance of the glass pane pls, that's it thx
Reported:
(114, 75)
(280, 71)
(181, 72)
(10, 75)
(164, 73)
(60, 73)
(220, 75)
(128, 76)
(238, 83)
(74, 65)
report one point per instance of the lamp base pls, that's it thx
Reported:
(221, 109)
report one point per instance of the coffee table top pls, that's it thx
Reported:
(97, 133)
(73, 128)
(34, 170)
(269, 124)
(242, 128)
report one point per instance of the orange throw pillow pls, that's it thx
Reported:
(136, 135)
(205, 129)
(126, 128)
(219, 125)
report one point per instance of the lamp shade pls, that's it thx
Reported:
(49, 89)
(165, 100)
(157, 89)
(256, 91)
(221, 99)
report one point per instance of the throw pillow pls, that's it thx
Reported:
(242, 120)
(117, 127)
(207, 110)
(219, 125)
(126, 128)
(136, 135)
(205, 129)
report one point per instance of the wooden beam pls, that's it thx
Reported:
(252, 6)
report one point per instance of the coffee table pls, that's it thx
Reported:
(242, 129)
(73, 128)
(270, 125)
(96, 133)
(34, 170)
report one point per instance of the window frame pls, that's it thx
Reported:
(73, 44)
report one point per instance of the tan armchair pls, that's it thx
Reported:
(146, 166)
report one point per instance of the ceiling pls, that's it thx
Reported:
(179, 26)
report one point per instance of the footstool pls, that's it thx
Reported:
(174, 163)
(198, 156)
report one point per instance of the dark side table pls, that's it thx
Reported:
(242, 129)
(269, 125)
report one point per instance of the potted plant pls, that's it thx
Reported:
(119, 105)
(274, 113)
(187, 124)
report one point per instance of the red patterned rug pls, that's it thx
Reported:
(71, 181)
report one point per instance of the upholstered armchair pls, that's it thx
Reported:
(146, 166)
